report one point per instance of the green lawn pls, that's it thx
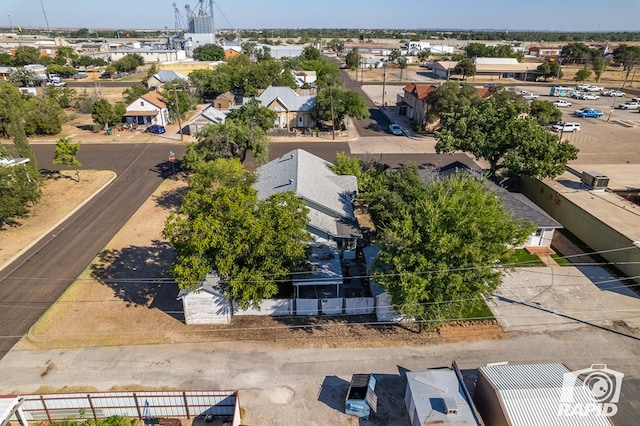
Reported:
(560, 260)
(476, 309)
(520, 258)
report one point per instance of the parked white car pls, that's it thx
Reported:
(566, 127)
(589, 96)
(561, 103)
(528, 95)
(594, 89)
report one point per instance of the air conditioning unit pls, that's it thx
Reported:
(595, 180)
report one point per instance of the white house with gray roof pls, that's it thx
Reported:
(293, 110)
(165, 76)
(327, 195)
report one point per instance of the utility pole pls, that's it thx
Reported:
(175, 93)
(10, 23)
(333, 119)
(384, 82)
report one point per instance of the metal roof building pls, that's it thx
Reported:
(438, 396)
(535, 394)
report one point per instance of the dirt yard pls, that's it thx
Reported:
(126, 296)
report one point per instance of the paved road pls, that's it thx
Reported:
(36, 279)
(281, 386)
(377, 123)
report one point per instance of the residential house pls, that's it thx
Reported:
(521, 207)
(165, 76)
(414, 103)
(232, 52)
(226, 101)
(150, 108)
(209, 115)
(328, 196)
(293, 110)
(304, 77)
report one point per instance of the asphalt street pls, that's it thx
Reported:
(36, 279)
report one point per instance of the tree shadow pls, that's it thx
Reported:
(171, 199)
(48, 174)
(138, 276)
(86, 127)
(167, 169)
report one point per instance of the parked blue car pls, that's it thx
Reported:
(587, 112)
(157, 129)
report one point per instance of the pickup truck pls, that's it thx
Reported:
(629, 105)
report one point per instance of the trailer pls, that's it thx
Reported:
(561, 91)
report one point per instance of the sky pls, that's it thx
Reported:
(544, 15)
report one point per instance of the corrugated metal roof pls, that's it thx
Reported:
(531, 394)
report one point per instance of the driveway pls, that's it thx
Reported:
(565, 297)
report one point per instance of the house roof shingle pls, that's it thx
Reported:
(327, 195)
(420, 90)
(155, 98)
(287, 97)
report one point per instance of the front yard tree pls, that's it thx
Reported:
(449, 96)
(332, 102)
(65, 154)
(102, 113)
(402, 62)
(254, 114)
(493, 129)
(440, 255)
(423, 55)
(231, 139)
(222, 227)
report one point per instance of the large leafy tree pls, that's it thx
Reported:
(20, 186)
(66, 153)
(466, 68)
(352, 60)
(448, 97)
(24, 76)
(209, 52)
(103, 113)
(441, 250)
(576, 52)
(310, 53)
(26, 55)
(332, 102)
(493, 129)
(231, 139)
(550, 70)
(134, 92)
(254, 114)
(582, 74)
(628, 56)
(43, 116)
(544, 112)
(222, 227)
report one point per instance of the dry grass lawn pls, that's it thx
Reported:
(126, 296)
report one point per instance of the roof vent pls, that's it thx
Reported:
(450, 406)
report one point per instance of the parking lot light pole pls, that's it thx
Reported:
(613, 105)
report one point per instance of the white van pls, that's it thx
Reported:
(566, 127)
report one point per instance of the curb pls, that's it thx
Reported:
(67, 216)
